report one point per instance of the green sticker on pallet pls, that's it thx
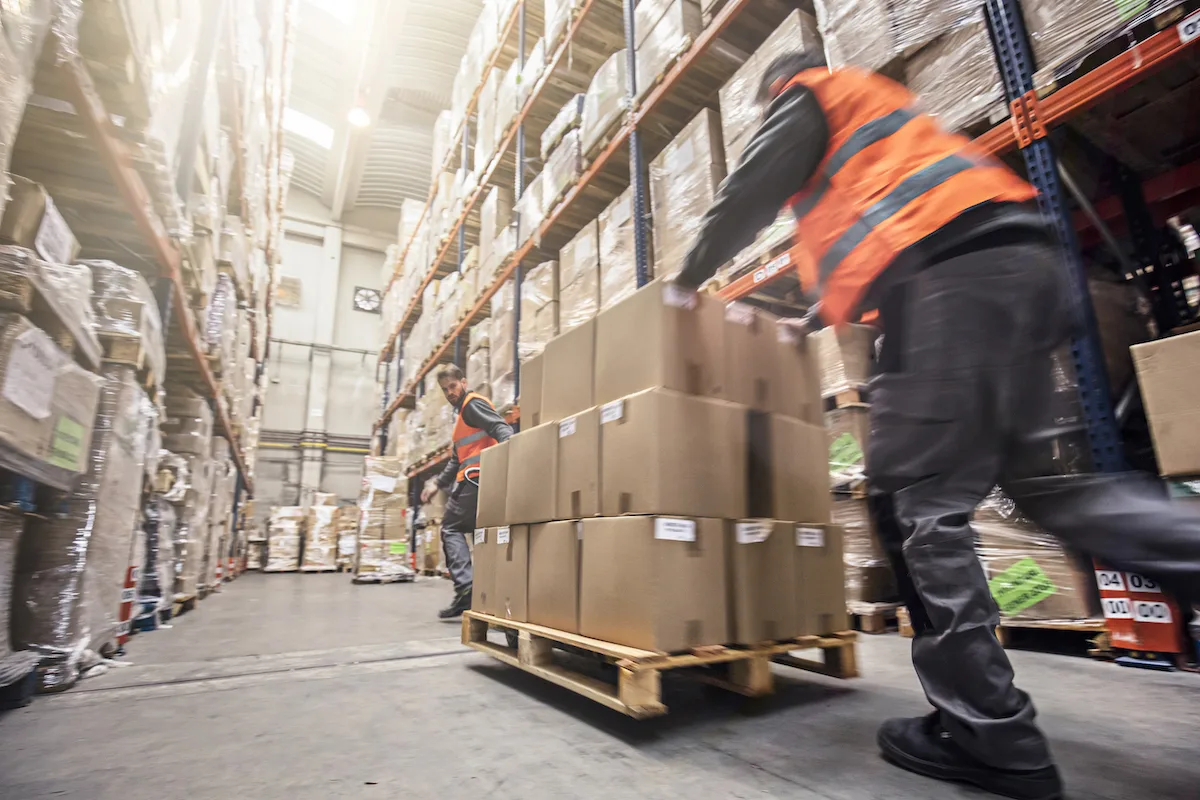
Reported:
(1022, 585)
(398, 548)
(845, 452)
(66, 448)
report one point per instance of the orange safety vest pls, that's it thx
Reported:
(891, 176)
(470, 442)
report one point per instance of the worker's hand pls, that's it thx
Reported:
(677, 295)
(427, 493)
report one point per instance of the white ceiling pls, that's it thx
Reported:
(399, 57)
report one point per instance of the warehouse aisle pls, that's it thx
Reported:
(305, 686)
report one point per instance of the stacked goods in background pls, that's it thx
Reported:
(74, 563)
(156, 582)
(321, 534)
(1168, 388)
(383, 535)
(220, 511)
(15, 663)
(285, 537)
(347, 523)
(675, 494)
(188, 435)
(127, 317)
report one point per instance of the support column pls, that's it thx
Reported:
(320, 366)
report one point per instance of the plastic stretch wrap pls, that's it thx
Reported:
(442, 131)
(567, 119)
(1030, 574)
(347, 534)
(507, 104)
(664, 40)
(479, 376)
(558, 14)
(503, 328)
(1064, 32)
(740, 114)
(562, 170)
(683, 183)
(285, 529)
(868, 572)
(26, 281)
(156, 585)
(479, 336)
(188, 426)
(485, 119)
(494, 216)
(23, 28)
(14, 663)
(321, 538)
(531, 209)
(857, 33)
(846, 356)
(124, 305)
(539, 309)
(72, 566)
(220, 324)
(966, 53)
(383, 530)
(604, 103)
(191, 532)
(531, 73)
(579, 278)
(151, 436)
(618, 262)
(174, 477)
(47, 405)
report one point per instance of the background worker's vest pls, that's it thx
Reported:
(891, 176)
(470, 442)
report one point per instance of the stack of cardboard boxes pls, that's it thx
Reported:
(321, 534)
(675, 492)
(285, 535)
(383, 527)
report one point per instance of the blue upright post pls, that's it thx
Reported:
(1016, 67)
(636, 167)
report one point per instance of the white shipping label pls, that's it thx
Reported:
(810, 537)
(1146, 611)
(480, 535)
(1140, 583)
(1110, 580)
(678, 297)
(502, 535)
(1116, 608)
(740, 314)
(611, 412)
(32, 370)
(751, 532)
(54, 240)
(675, 530)
(566, 428)
(382, 483)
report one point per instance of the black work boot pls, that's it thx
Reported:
(461, 603)
(923, 746)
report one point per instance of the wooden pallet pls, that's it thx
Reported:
(638, 692)
(183, 605)
(904, 622)
(127, 349)
(874, 618)
(1088, 635)
(847, 397)
(318, 569)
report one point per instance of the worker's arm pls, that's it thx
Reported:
(478, 414)
(445, 479)
(782, 155)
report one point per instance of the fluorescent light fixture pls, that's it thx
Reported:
(302, 124)
(341, 10)
(359, 117)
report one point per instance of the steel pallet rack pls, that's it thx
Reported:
(687, 86)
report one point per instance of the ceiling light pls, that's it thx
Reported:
(302, 124)
(359, 117)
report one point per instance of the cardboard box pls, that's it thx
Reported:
(799, 470)
(531, 391)
(31, 220)
(798, 377)
(1170, 383)
(511, 581)
(673, 32)
(554, 550)
(658, 583)
(653, 339)
(532, 475)
(569, 370)
(846, 355)
(483, 566)
(763, 581)
(684, 179)
(579, 466)
(493, 487)
(663, 452)
(579, 278)
(1031, 576)
(751, 358)
(820, 593)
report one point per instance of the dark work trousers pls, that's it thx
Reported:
(457, 525)
(962, 402)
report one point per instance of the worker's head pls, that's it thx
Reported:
(453, 384)
(781, 70)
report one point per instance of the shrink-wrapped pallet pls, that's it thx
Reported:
(15, 663)
(503, 392)
(561, 171)
(124, 306)
(28, 282)
(684, 179)
(539, 309)
(567, 119)
(579, 278)
(618, 261)
(285, 532)
(605, 102)
(320, 539)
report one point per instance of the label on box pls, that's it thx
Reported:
(675, 530)
(1022, 585)
(566, 428)
(739, 313)
(503, 535)
(751, 532)
(66, 448)
(678, 297)
(1116, 608)
(32, 370)
(1147, 611)
(579, 531)
(481, 536)
(611, 412)
(1140, 583)
(54, 240)
(382, 483)
(1110, 580)
(810, 537)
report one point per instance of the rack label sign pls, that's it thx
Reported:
(1144, 611)
(1109, 580)
(1140, 583)
(1189, 29)
(1116, 608)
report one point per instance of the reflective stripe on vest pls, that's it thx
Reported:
(474, 437)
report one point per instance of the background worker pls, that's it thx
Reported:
(900, 216)
(477, 427)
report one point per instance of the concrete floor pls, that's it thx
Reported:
(305, 686)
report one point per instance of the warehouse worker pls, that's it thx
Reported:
(897, 215)
(476, 428)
